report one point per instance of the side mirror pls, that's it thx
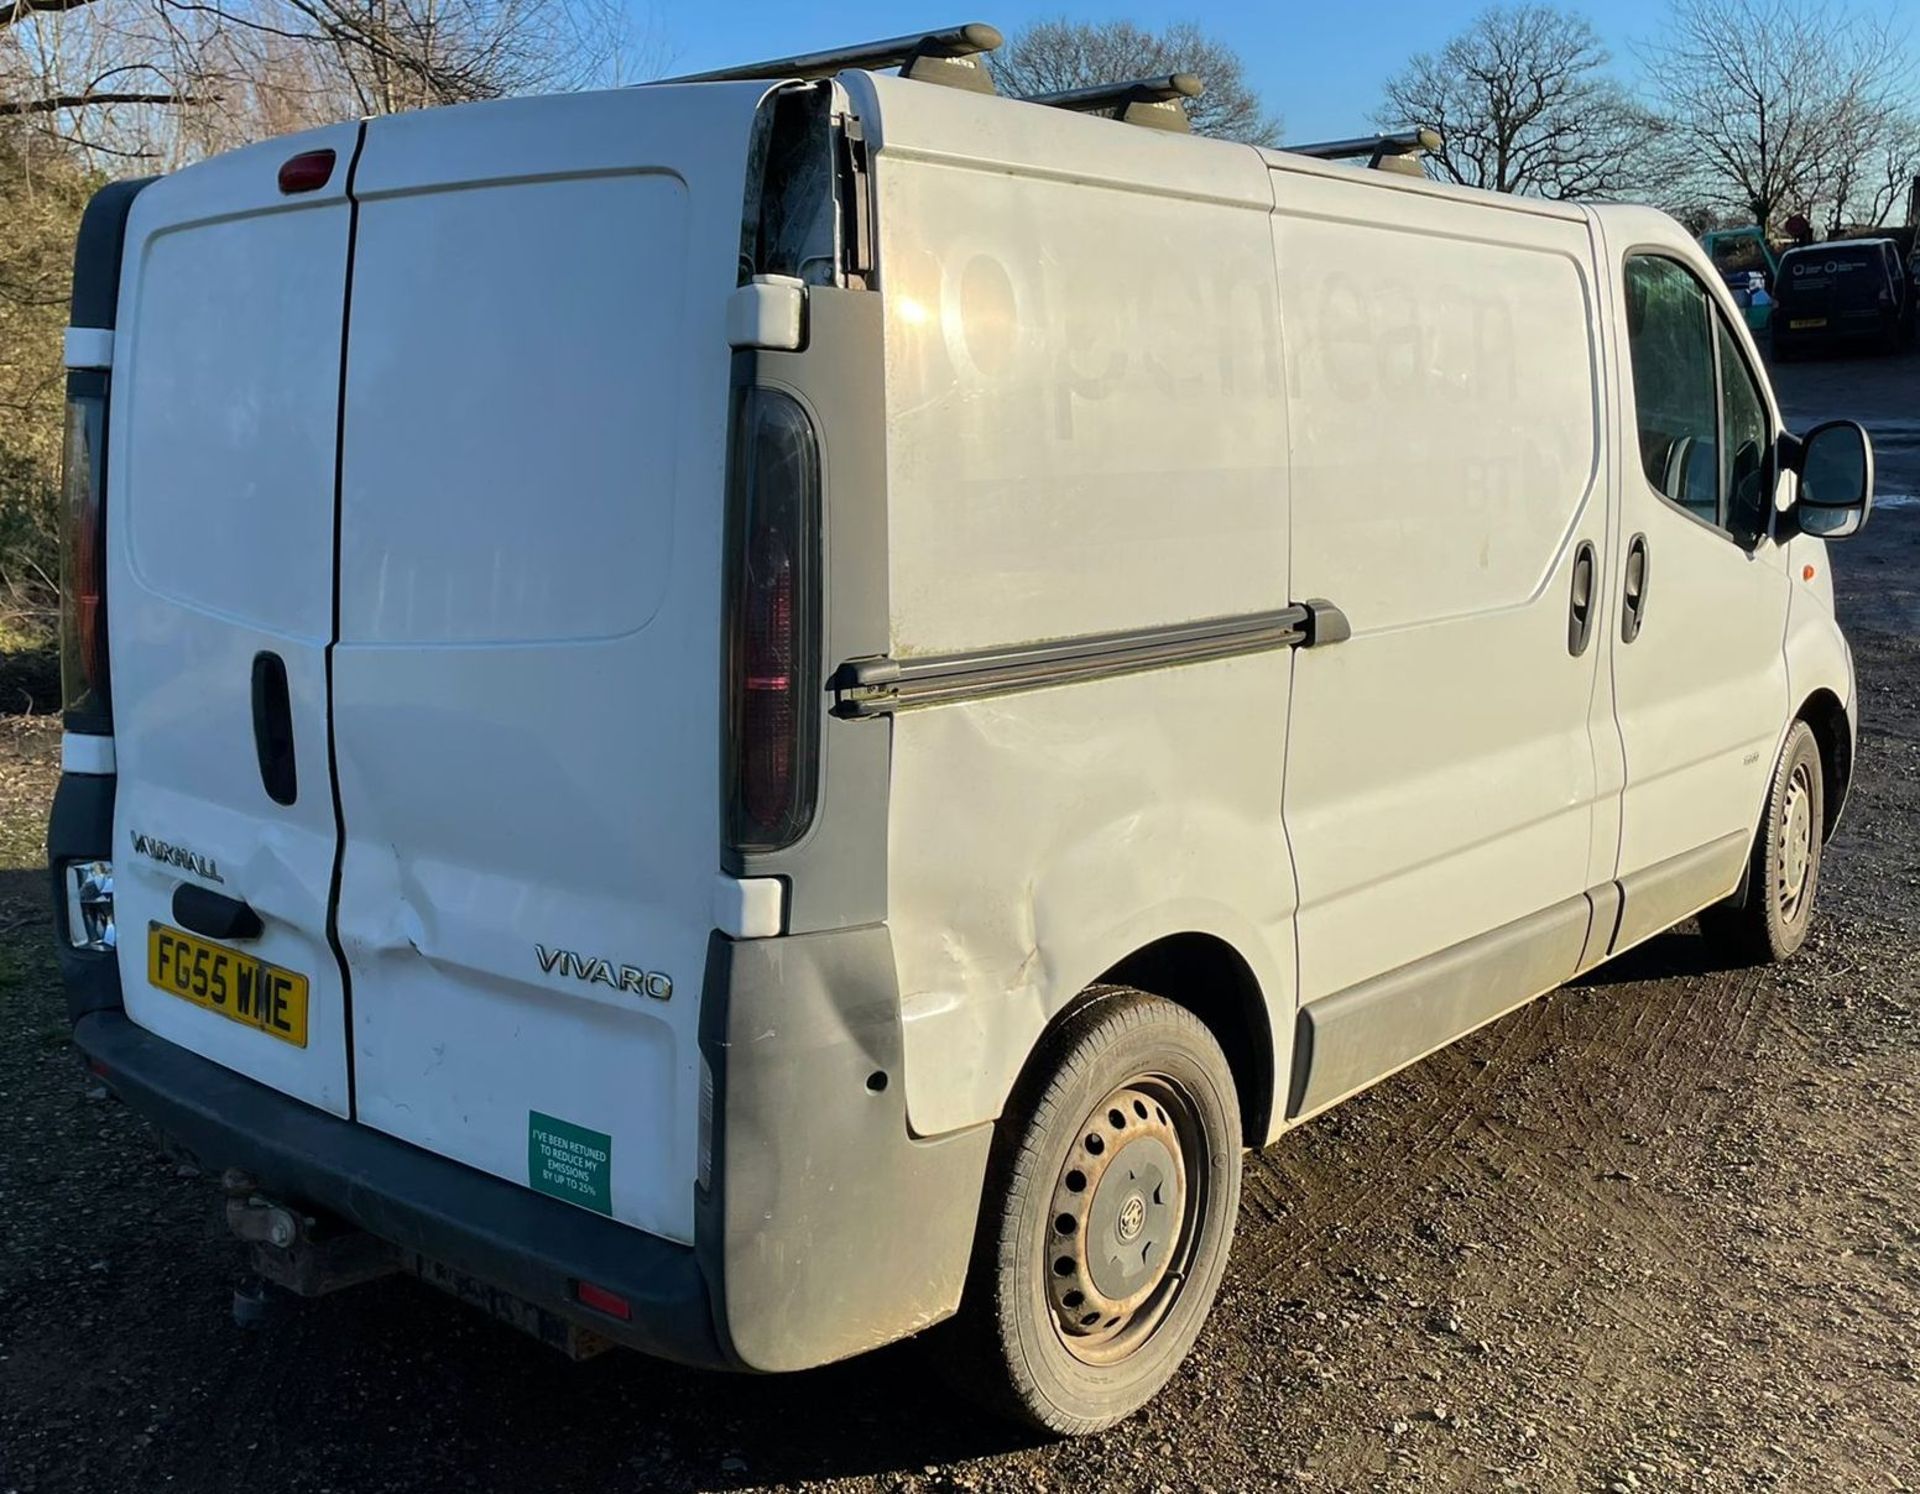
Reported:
(1835, 463)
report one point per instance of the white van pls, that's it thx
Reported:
(740, 716)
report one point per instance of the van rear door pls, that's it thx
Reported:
(220, 594)
(527, 684)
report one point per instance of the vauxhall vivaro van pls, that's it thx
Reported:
(741, 716)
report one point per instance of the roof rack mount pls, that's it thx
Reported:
(1397, 152)
(1158, 103)
(949, 57)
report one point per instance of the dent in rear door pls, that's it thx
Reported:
(220, 519)
(527, 683)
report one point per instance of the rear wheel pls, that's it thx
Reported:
(1784, 874)
(1116, 1176)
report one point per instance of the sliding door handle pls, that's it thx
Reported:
(1581, 609)
(273, 728)
(1634, 594)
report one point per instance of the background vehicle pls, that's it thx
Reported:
(932, 727)
(1848, 293)
(1747, 263)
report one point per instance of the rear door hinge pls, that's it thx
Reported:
(856, 204)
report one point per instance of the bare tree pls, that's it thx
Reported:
(168, 80)
(1051, 56)
(1865, 178)
(1523, 103)
(1776, 101)
(1893, 166)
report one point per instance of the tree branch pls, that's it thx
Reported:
(61, 101)
(12, 12)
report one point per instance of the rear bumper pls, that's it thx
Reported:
(533, 1246)
(826, 1228)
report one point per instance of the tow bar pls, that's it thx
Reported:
(294, 1251)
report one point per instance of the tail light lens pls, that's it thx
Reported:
(83, 555)
(772, 621)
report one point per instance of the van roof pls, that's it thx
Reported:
(946, 62)
(1828, 246)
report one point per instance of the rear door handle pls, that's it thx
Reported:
(1580, 611)
(1638, 570)
(273, 728)
(201, 910)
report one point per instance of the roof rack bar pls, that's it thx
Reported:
(953, 44)
(1378, 149)
(1156, 102)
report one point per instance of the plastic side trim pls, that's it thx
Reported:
(1358, 1036)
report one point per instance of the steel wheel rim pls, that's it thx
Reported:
(1125, 1210)
(1796, 842)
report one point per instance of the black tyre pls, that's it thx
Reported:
(1784, 875)
(1111, 1199)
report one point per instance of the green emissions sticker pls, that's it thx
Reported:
(570, 1162)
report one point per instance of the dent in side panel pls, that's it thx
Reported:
(1038, 839)
(1086, 433)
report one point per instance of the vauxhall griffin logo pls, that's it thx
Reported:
(597, 972)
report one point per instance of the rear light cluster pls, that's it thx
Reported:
(773, 609)
(83, 622)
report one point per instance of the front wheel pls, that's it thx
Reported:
(1784, 874)
(1113, 1188)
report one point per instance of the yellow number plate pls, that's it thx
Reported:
(1807, 321)
(223, 980)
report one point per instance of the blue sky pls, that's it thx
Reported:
(1320, 65)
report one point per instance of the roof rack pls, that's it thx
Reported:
(1399, 152)
(928, 57)
(1158, 103)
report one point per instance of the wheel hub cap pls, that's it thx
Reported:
(1796, 840)
(1119, 1215)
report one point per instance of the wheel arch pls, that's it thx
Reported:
(1209, 977)
(1832, 729)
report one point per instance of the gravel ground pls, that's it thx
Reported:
(1660, 1230)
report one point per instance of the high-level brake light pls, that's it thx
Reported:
(307, 172)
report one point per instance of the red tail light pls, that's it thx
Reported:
(83, 622)
(772, 627)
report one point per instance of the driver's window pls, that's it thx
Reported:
(1670, 336)
(1748, 440)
